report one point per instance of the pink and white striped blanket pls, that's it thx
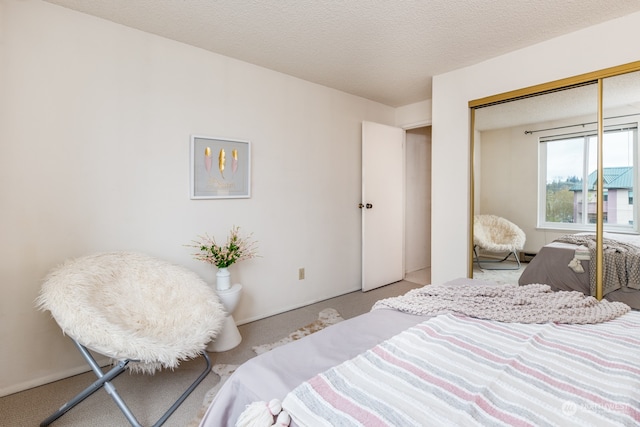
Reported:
(454, 370)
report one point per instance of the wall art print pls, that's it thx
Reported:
(220, 168)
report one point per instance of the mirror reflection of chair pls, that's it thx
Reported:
(492, 233)
(143, 313)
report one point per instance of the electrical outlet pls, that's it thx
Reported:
(301, 274)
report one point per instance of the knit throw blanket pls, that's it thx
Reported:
(620, 264)
(534, 303)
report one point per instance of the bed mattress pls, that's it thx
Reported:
(275, 373)
(279, 372)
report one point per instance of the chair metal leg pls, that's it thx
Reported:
(104, 380)
(187, 392)
(477, 260)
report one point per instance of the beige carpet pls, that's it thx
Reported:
(501, 275)
(326, 317)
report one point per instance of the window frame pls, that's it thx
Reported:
(613, 125)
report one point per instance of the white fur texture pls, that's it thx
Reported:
(497, 234)
(131, 306)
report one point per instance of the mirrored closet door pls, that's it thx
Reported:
(536, 157)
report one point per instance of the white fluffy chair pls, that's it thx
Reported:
(496, 234)
(142, 312)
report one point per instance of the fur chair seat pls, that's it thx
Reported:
(497, 234)
(128, 305)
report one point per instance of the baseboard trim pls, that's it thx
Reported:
(56, 376)
(294, 307)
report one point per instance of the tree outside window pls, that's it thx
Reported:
(568, 164)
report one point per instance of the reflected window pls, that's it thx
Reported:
(569, 165)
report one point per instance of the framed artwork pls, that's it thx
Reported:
(220, 168)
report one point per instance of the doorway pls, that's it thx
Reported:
(396, 205)
(418, 205)
(382, 205)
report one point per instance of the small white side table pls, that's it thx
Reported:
(229, 337)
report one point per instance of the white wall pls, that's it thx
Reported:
(95, 120)
(414, 115)
(591, 49)
(416, 120)
(508, 180)
(418, 199)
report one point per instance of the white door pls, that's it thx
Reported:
(383, 205)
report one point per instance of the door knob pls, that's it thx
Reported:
(368, 206)
(360, 205)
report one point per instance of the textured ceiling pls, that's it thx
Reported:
(383, 50)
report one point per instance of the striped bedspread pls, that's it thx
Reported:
(460, 371)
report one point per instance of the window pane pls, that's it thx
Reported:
(564, 175)
(571, 178)
(621, 112)
(618, 177)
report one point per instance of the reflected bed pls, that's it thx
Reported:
(555, 265)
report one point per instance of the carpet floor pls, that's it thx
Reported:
(507, 273)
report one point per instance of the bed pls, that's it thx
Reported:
(565, 266)
(285, 372)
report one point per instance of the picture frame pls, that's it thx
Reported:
(220, 168)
